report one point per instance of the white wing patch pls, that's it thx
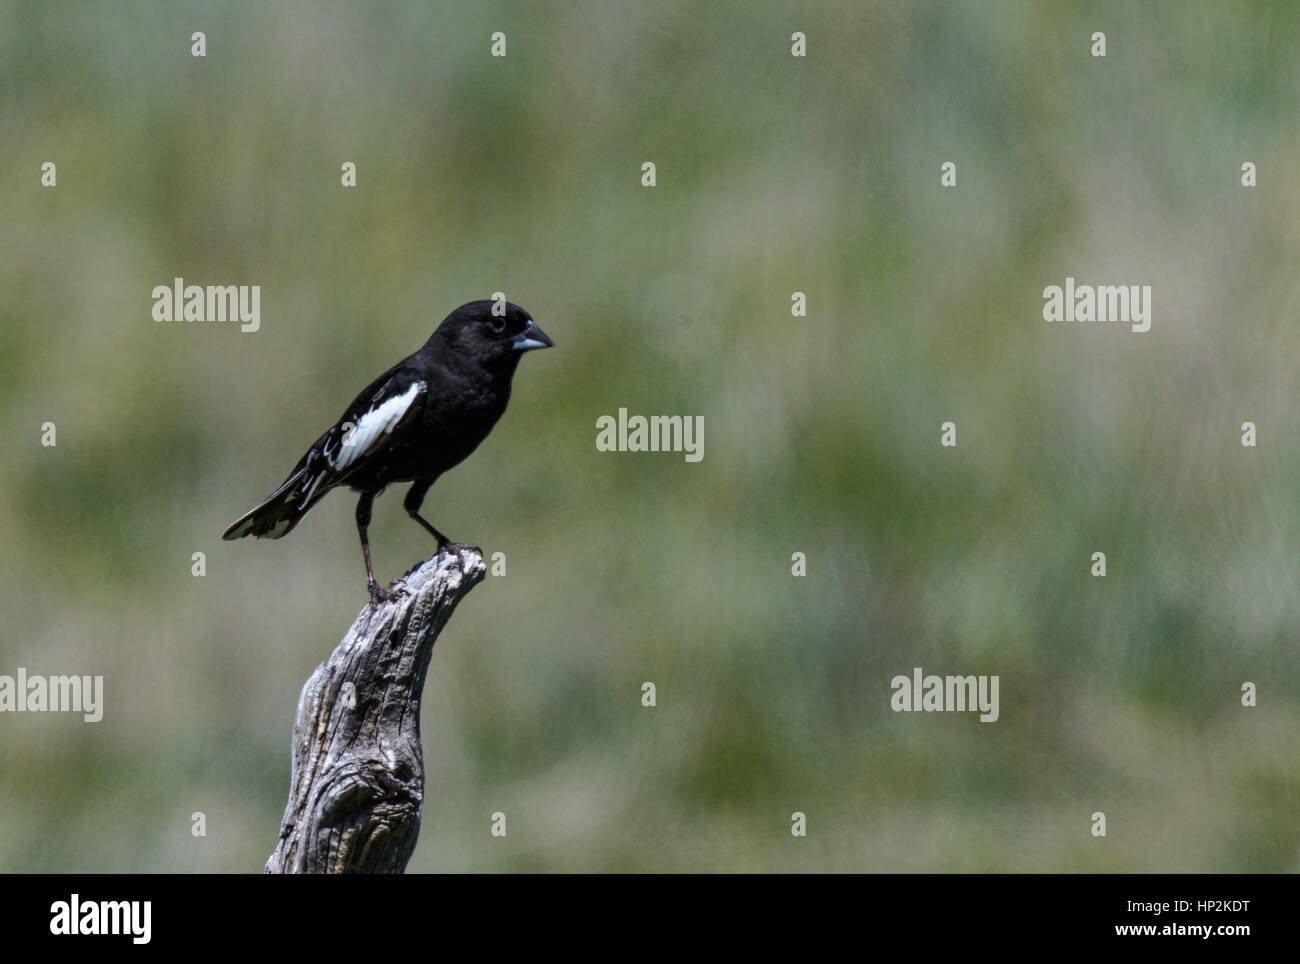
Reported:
(372, 427)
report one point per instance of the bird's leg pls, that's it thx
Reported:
(378, 593)
(412, 506)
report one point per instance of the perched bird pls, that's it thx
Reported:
(411, 424)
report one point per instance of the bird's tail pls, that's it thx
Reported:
(282, 509)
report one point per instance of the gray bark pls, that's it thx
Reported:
(357, 787)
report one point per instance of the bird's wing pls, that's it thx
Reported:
(369, 428)
(374, 421)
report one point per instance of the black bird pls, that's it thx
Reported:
(411, 424)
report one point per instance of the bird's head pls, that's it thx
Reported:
(493, 334)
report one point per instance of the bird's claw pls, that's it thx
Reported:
(379, 594)
(457, 548)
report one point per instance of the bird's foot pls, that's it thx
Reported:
(458, 551)
(457, 547)
(379, 594)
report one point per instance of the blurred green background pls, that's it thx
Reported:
(775, 174)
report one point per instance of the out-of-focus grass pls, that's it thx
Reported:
(775, 174)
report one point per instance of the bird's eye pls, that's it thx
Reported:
(498, 323)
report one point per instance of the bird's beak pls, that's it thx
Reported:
(531, 337)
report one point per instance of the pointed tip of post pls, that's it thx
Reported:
(458, 555)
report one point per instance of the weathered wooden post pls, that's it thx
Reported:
(357, 788)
